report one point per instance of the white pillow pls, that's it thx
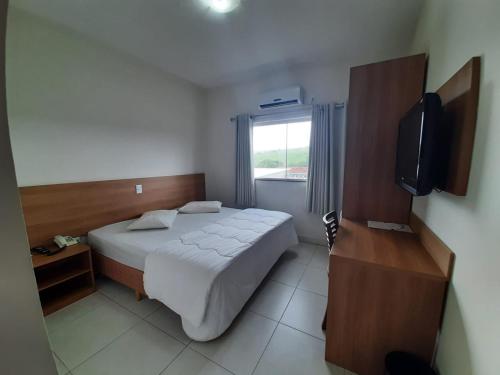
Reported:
(201, 207)
(159, 219)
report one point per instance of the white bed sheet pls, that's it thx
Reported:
(131, 247)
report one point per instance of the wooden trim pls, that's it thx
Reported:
(385, 249)
(138, 296)
(74, 295)
(121, 273)
(40, 260)
(460, 99)
(379, 95)
(442, 254)
(75, 209)
(397, 279)
(372, 311)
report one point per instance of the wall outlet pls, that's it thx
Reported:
(138, 189)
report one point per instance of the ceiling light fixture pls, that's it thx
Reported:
(222, 6)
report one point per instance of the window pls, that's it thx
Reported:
(281, 149)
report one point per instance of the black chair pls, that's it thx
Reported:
(331, 222)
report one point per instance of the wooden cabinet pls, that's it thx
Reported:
(64, 278)
(385, 293)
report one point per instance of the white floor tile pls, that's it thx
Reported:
(320, 257)
(240, 348)
(302, 253)
(190, 362)
(314, 280)
(76, 340)
(142, 350)
(169, 322)
(103, 334)
(305, 312)
(61, 368)
(287, 272)
(126, 297)
(271, 299)
(291, 352)
(74, 311)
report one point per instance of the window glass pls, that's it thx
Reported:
(281, 150)
(269, 148)
(298, 136)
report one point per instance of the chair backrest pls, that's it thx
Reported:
(331, 222)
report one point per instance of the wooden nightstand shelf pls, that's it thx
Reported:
(65, 277)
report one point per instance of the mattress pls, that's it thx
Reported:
(131, 247)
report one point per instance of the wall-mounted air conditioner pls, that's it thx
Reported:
(282, 98)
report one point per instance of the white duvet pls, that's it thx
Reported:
(182, 273)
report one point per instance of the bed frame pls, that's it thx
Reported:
(121, 273)
(75, 209)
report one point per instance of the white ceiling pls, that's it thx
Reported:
(185, 38)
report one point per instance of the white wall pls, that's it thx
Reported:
(452, 31)
(325, 83)
(80, 111)
(290, 197)
(23, 340)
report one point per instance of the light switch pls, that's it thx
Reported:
(138, 189)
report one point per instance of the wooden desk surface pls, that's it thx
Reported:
(390, 249)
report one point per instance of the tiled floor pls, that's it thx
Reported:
(279, 331)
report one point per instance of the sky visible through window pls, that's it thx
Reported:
(281, 150)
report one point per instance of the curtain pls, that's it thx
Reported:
(325, 149)
(245, 189)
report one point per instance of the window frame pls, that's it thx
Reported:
(281, 118)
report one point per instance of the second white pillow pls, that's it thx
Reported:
(159, 219)
(201, 207)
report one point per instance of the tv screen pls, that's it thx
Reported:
(417, 164)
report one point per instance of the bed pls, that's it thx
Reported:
(77, 209)
(122, 255)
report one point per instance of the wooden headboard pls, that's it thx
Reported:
(76, 208)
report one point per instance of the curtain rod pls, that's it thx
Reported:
(337, 105)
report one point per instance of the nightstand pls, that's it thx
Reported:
(65, 277)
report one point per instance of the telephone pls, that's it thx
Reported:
(63, 241)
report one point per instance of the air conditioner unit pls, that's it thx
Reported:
(282, 98)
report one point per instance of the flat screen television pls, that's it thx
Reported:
(418, 161)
